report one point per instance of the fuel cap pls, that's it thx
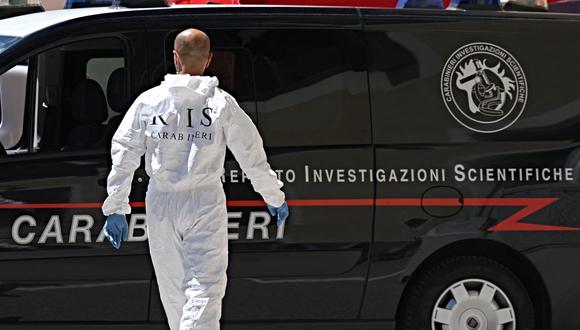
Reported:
(442, 201)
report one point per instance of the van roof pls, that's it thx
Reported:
(21, 26)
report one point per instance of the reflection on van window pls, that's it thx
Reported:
(311, 87)
(223, 66)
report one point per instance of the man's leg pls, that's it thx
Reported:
(205, 253)
(166, 254)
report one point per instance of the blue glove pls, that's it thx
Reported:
(116, 229)
(282, 212)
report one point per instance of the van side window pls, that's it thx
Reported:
(404, 75)
(81, 94)
(311, 87)
(77, 93)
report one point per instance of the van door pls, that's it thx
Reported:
(305, 87)
(469, 117)
(55, 264)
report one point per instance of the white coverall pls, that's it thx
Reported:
(183, 126)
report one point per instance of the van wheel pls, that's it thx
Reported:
(467, 293)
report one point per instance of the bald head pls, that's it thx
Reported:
(191, 52)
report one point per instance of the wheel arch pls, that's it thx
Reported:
(501, 253)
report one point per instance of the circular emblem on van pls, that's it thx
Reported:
(484, 87)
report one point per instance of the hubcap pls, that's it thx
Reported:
(473, 304)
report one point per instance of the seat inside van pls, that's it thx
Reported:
(81, 90)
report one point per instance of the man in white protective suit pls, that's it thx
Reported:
(183, 127)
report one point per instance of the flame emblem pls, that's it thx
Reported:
(484, 87)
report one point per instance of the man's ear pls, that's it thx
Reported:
(209, 60)
(176, 62)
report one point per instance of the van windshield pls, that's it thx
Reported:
(7, 41)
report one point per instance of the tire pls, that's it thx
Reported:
(466, 293)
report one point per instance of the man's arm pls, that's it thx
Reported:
(243, 139)
(127, 147)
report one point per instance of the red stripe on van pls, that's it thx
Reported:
(528, 206)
